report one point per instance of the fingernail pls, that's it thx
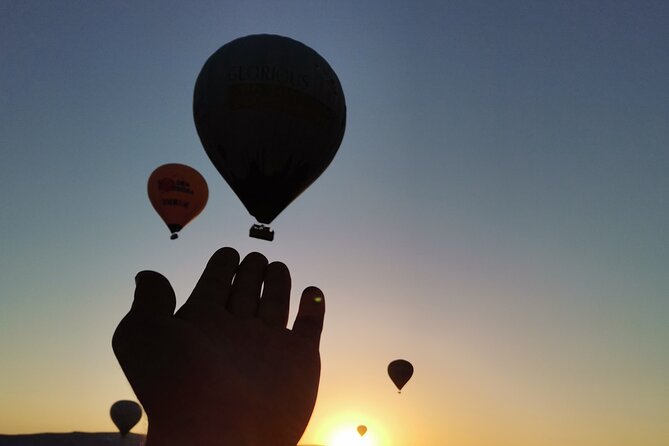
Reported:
(315, 294)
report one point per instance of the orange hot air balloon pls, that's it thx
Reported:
(178, 193)
(362, 430)
(400, 371)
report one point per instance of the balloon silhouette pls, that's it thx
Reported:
(400, 372)
(270, 113)
(362, 430)
(125, 414)
(178, 193)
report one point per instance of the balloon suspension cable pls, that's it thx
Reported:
(174, 236)
(262, 232)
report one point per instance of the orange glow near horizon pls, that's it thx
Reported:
(348, 436)
(341, 430)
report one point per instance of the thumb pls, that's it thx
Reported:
(154, 300)
(154, 296)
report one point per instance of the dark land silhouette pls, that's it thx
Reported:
(79, 439)
(73, 439)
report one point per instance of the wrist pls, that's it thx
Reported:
(212, 435)
(178, 437)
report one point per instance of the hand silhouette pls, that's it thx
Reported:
(224, 370)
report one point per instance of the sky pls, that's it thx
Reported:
(497, 212)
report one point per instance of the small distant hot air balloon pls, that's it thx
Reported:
(178, 193)
(362, 430)
(270, 113)
(400, 372)
(125, 414)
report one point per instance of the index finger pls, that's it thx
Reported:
(216, 279)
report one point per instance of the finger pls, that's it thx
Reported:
(309, 320)
(216, 279)
(243, 301)
(154, 296)
(275, 300)
(154, 301)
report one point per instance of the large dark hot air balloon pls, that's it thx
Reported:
(362, 430)
(125, 414)
(270, 113)
(178, 193)
(400, 372)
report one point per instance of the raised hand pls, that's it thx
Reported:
(224, 370)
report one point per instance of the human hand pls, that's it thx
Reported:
(224, 370)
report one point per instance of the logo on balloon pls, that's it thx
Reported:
(165, 185)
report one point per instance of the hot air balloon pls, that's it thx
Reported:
(125, 414)
(362, 430)
(178, 193)
(270, 113)
(400, 372)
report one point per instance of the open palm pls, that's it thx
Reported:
(224, 370)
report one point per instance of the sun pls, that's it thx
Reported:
(340, 428)
(348, 436)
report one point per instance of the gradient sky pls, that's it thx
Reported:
(497, 213)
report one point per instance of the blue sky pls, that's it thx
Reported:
(497, 212)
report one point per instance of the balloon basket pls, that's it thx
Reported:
(262, 232)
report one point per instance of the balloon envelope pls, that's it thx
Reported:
(400, 372)
(125, 414)
(270, 113)
(362, 430)
(178, 193)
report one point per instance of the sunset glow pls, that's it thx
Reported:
(348, 436)
(496, 214)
